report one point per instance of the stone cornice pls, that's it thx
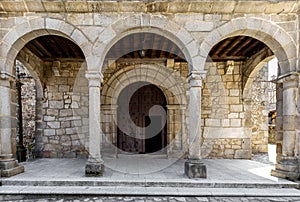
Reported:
(148, 6)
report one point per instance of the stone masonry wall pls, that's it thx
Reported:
(223, 112)
(28, 107)
(259, 113)
(65, 111)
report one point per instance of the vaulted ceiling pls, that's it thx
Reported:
(145, 45)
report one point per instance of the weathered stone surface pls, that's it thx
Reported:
(94, 170)
(195, 169)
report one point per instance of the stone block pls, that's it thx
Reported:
(56, 104)
(242, 154)
(229, 152)
(4, 165)
(195, 169)
(236, 108)
(197, 25)
(49, 118)
(49, 132)
(94, 169)
(12, 171)
(54, 124)
(235, 122)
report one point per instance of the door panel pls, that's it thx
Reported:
(139, 105)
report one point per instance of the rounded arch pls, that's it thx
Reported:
(38, 83)
(23, 33)
(155, 24)
(275, 37)
(256, 68)
(155, 74)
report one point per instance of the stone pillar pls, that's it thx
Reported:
(8, 165)
(193, 167)
(95, 164)
(288, 165)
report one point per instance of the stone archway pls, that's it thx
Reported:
(173, 90)
(275, 37)
(148, 23)
(284, 48)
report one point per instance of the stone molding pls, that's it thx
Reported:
(6, 76)
(291, 78)
(195, 78)
(149, 6)
(94, 78)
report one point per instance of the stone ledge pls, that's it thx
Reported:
(146, 6)
(294, 176)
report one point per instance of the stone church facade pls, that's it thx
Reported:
(109, 73)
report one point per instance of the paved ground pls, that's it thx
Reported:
(137, 178)
(167, 199)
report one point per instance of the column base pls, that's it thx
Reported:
(94, 169)
(9, 166)
(195, 169)
(287, 168)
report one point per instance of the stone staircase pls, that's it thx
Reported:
(16, 189)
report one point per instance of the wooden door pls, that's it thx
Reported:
(141, 101)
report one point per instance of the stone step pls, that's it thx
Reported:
(146, 183)
(12, 171)
(144, 191)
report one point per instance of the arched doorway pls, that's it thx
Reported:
(145, 105)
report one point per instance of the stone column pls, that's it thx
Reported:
(193, 167)
(288, 165)
(8, 165)
(95, 164)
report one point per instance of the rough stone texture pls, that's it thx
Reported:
(195, 169)
(94, 169)
(28, 97)
(65, 111)
(194, 26)
(154, 199)
(260, 104)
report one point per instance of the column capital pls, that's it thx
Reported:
(6, 76)
(289, 77)
(94, 78)
(195, 78)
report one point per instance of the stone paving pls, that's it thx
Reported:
(165, 199)
(55, 180)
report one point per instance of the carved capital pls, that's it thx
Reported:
(195, 78)
(6, 76)
(292, 78)
(94, 78)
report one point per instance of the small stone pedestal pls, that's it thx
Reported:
(287, 168)
(9, 166)
(94, 169)
(194, 169)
